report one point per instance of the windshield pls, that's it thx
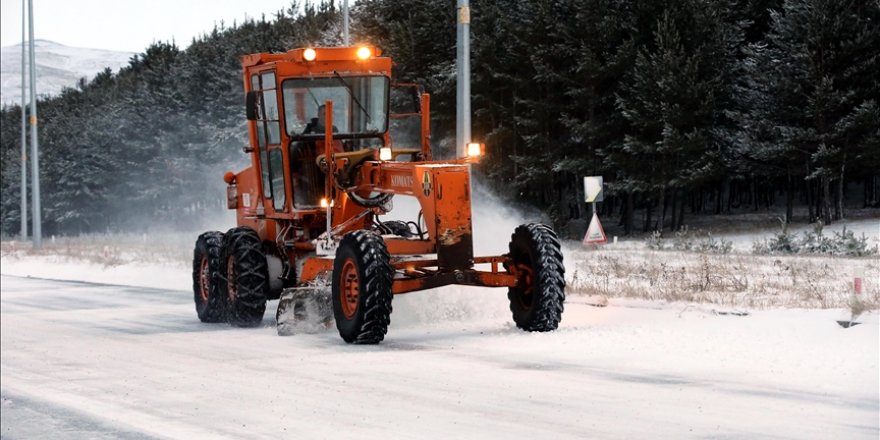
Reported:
(359, 105)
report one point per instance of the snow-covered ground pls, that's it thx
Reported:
(127, 358)
(90, 361)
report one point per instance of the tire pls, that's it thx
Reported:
(537, 301)
(244, 277)
(206, 264)
(361, 288)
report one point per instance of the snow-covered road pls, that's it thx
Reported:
(86, 360)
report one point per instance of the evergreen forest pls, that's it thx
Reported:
(686, 107)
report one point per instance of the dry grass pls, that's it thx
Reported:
(736, 280)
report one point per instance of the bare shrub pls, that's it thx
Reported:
(687, 240)
(655, 241)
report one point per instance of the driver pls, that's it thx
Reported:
(318, 124)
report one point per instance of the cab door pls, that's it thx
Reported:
(269, 141)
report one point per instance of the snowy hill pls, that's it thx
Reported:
(58, 66)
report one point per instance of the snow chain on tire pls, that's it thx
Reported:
(363, 257)
(206, 264)
(536, 252)
(244, 291)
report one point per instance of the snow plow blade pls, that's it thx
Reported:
(303, 310)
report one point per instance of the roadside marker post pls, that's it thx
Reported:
(593, 192)
(857, 306)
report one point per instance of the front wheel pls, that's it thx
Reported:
(244, 280)
(362, 278)
(536, 259)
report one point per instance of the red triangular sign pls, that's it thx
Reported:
(595, 234)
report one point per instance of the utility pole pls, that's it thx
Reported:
(345, 38)
(23, 128)
(463, 84)
(35, 147)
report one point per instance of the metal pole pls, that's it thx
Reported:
(35, 147)
(23, 126)
(463, 84)
(345, 38)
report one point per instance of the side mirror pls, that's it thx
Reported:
(252, 105)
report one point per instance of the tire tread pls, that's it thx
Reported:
(243, 244)
(373, 262)
(549, 278)
(208, 244)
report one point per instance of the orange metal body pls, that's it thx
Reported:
(444, 255)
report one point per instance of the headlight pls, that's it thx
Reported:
(310, 54)
(364, 52)
(385, 153)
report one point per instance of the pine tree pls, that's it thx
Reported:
(813, 93)
(674, 101)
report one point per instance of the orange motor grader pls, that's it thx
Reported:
(323, 172)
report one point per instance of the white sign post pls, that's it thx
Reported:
(593, 191)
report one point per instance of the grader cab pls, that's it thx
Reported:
(324, 170)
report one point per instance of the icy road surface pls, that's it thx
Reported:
(84, 361)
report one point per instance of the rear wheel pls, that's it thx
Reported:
(362, 277)
(244, 280)
(206, 264)
(536, 259)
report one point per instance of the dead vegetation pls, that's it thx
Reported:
(735, 280)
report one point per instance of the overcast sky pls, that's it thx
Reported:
(128, 25)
